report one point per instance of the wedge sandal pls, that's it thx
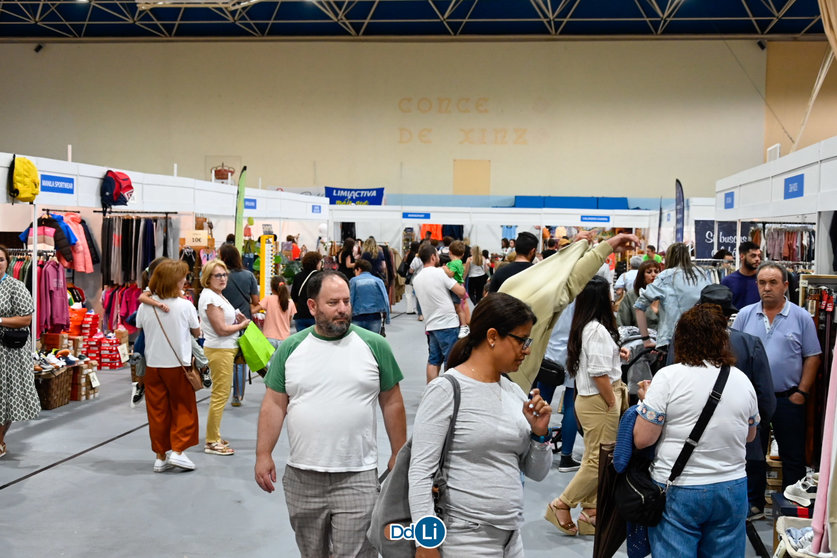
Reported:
(218, 448)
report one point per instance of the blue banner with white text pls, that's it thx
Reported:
(354, 196)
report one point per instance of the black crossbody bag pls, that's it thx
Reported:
(638, 498)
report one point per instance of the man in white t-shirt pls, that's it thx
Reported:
(325, 382)
(433, 287)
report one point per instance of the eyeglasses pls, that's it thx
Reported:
(220, 275)
(525, 342)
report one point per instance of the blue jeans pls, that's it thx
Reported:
(302, 323)
(439, 343)
(368, 322)
(568, 426)
(705, 521)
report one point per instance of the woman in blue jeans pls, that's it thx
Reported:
(706, 507)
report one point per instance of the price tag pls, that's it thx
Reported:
(123, 352)
(94, 380)
(197, 238)
(803, 283)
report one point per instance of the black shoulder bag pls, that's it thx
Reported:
(638, 498)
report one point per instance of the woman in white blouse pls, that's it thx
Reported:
(593, 360)
(221, 326)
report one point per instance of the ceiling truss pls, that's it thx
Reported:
(128, 20)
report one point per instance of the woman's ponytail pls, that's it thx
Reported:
(460, 352)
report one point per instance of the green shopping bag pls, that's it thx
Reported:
(256, 349)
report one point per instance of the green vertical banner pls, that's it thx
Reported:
(239, 209)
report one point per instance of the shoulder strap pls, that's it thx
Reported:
(156, 315)
(449, 438)
(246, 297)
(700, 426)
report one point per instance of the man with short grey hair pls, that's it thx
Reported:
(793, 350)
(626, 280)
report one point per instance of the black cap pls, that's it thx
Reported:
(720, 295)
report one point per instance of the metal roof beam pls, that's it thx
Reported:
(368, 18)
(644, 16)
(780, 15)
(330, 9)
(467, 17)
(750, 15)
(272, 18)
(569, 15)
(438, 13)
(545, 13)
(671, 10)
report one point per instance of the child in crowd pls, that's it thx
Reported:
(456, 269)
(279, 309)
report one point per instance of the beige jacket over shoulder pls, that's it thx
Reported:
(548, 288)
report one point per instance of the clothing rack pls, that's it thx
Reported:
(129, 213)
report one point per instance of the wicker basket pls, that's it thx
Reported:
(54, 388)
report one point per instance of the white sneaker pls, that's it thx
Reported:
(464, 331)
(774, 451)
(161, 465)
(181, 460)
(803, 492)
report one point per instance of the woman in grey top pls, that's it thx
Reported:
(499, 433)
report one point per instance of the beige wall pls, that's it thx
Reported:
(792, 70)
(571, 118)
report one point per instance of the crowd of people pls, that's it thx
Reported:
(502, 430)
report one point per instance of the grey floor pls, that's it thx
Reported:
(77, 481)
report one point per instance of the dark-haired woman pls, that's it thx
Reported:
(498, 434)
(677, 288)
(646, 274)
(346, 265)
(278, 311)
(706, 506)
(18, 398)
(311, 262)
(593, 361)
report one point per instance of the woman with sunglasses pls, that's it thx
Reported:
(221, 325)
(593, 361)
(500, 431)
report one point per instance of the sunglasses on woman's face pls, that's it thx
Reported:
(525, 342)
(220, 275)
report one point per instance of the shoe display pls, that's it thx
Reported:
(161, 465)
(179, 459)
(568, 464)
(804, 491)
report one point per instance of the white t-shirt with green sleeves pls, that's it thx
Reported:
(333, 387)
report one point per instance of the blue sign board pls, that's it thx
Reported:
(408, 215)
(729, 200)
(316, 209)
(250, 203)
(595, 219)
(354, 196)
(795, 186)
(58, 184)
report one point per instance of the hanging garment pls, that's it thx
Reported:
(51, 231)
(82, 258)
(508, 231)
(454, 231)
(434, 230)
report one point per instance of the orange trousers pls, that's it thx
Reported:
(172, 410)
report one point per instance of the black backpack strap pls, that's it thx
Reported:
(449, 438)
(700, 426)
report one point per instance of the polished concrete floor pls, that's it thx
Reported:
(78, 481)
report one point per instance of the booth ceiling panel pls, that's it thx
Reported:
(399, 19)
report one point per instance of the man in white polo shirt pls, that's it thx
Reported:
(326, 381)
(433, 287)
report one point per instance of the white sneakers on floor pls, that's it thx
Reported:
(804, 492)
(180, 460)
(161, 465)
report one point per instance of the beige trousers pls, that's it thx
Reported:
(600, 425)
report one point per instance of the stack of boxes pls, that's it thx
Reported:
(109, 358)
(85, 382)
(774, 479)
(90, 325)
